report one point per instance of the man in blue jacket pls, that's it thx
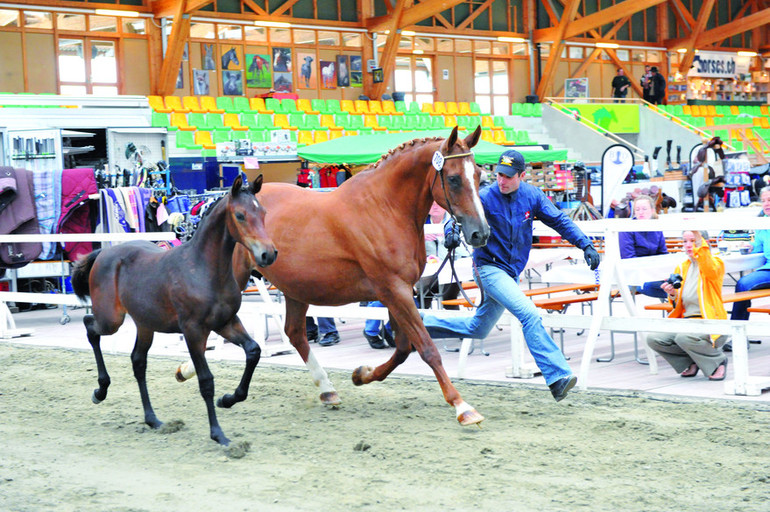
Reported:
(511, 206)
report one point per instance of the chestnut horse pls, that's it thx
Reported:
(365, 241)
(189, 289)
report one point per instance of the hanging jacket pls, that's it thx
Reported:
(18, 216)
(76, 186)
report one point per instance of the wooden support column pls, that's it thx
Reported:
(388, 62)
(365, 12)
(636, 86)
(570, 11)
(180, 31)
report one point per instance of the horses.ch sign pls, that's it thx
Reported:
(719, 65)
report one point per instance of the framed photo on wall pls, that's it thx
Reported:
(201, 84)
(308, 76)
(232, 83)
(282, 60)
(328, 75)
(258, 71)
(232, 57)
(343, 71)
(207, 57)
(356, 73)
(282, 82)
(377, 76)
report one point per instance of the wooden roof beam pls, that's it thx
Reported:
(683, 16)
(180, 32)
(738, 26)
(636, 86)
(254, 7)
(166, 8)
(483, 7)
(592, 21)
(388, 61)
(582, 68)
(689, 45)
(419, 12)
(568, 16)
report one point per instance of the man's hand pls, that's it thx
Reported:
(592, 257)
(451, 234)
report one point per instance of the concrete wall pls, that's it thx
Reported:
(573, 134)
(655, 130)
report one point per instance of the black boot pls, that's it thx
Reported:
(375, 342)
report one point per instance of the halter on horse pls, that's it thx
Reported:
(365, 241)
(189, 289)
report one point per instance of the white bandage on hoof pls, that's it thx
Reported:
(186, 370)
(462, 408)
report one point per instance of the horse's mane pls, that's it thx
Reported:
(402, 147)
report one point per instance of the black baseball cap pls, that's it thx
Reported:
(511, 162)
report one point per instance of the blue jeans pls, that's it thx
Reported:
(653, 289)
(503, 292)
(325, 325)
(757, 280)
(372, 327)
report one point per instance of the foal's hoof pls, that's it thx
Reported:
(226, 401)
(362, 375)
(330, 398)
(470, 417)
(95, 399)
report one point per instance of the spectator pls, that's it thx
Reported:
(658, 87)
(700, 296)
(327, 329)
(644, 243)
(511, 206)
(760, 278)
(620, 85)
(647, 84)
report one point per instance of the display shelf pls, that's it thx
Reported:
(742, 88)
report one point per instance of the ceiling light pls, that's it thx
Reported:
(116, 12)
(408, 33)
(681, 50)
(511, 39)
(607, 45)
(418, 52)
(747, 54)
(281, 24)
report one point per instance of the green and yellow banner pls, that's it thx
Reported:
(613, 117)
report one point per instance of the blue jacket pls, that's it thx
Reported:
(762, 244)
(643, 243)
(510, 222)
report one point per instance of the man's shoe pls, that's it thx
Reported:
(387, 335)
(312, 336)
(375, 342)
(561, 387)
(329, 339)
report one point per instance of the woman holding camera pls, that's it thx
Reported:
(699, 295)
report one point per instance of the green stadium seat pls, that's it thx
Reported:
(259, 135)
(297, 119)
(274, 105)
(241, 104)
(215, 122)
(225, 103)
(160, 120)
(319, 106)
(199, 120)
(289, 105)
(265, 122)
(186, 140)
(333, 107)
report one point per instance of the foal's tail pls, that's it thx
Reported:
(80, 272)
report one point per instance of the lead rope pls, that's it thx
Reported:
(451, 252)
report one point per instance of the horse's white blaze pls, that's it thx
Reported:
(256, 204)
(470, 171)
(318, 374)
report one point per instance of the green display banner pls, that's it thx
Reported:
(613, 117)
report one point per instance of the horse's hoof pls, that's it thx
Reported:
(185, 371)
(470, 417)
(179, 376)
(94, 398)
(331, 398)
(361, 375)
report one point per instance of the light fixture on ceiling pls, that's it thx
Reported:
(505, 39)
(116, 12)
(408, 33)
(744, 53)
(278, 24)
(681, 50)
(607, 45)
(418, 52)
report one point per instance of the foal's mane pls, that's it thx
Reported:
(403, 147)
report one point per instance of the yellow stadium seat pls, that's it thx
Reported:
(204, 139)
(487, 135)
(452, 109)
(362, 107)
(370, 121)
(498, 136)
(180, 121)
(439, 108)
(191, 103)
(764, 110)
(451, 121)
(210, 104)
(375, 107)
(465, 109)
(427, 108)
(734, 110)
(687, 110)
(175, 104)
(351, 132)
(327, 121)
(156, 103)
(282, 121)
(388, 107)
(335, 134)
(304, 137)
(258, 104)
(487, 122)
(765, 123)
(303, 104)
(320, 136)
(349, 107)
(709, 121)
(711, 110)
(232, 121)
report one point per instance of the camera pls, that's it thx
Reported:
(675, 280)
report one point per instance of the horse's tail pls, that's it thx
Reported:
(80, 273)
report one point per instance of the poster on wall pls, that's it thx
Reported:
(180, 77)
(719, 65)
(282, 60)
(207, 57)
(201, 84)
(282, 82)
(356, 73)
(328, 75)
(258, 71)
(231, 57)
(343, 71)
(232, 83)
(576, 88)
(308, 76)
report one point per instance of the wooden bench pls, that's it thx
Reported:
(763, 309)
(727, 298)
(529, 293)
